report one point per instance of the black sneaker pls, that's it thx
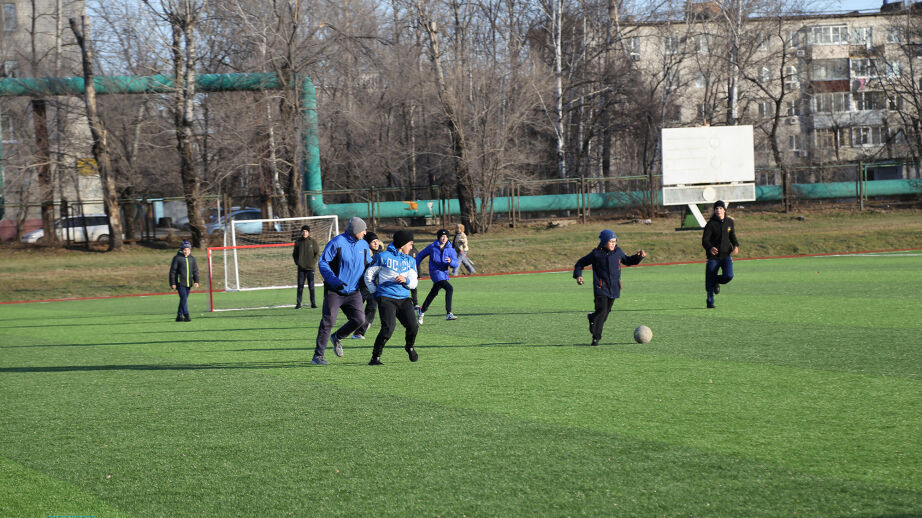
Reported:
(711, 305)
(594, 342)
(412, 353)
(179, 318)
(337, 344)
(317, 360)
(375, 361)
(716, 289)
(313, 305)
(186, 319)
(297, 306)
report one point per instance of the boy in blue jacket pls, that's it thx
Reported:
(341, 265)
(390, 280)
(442, 258)
(606, 261)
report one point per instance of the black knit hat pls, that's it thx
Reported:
(402, 237)
(370, 236)
(721, 204)
(441, 233)
(306, 227)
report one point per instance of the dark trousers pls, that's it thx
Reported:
(332, 302)
(401, 310)
(598, 317)
(441, 285)
(371, 309)
(183, 310)
(711, 279)
(309, 275)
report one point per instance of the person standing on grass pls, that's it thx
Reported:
(183, 276)
(305, 255)
(719, 242)
(390, 279)
(442, 257)
(606, 261)
(460, 244)
(341, 265)
(371, 303)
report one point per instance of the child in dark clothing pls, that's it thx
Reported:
(183, 276)
(606, 261)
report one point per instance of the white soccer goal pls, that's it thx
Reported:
(255, 269)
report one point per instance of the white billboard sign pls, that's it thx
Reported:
(708, 155)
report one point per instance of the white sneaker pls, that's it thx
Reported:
(451, 316)
(420, 319)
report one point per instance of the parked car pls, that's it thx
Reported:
(97, 225)
(242, 228)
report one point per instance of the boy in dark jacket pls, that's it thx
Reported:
(719, 242)
(305, 254)
(606, 261)
(183, 276)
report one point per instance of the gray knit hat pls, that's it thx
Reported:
(355, 226)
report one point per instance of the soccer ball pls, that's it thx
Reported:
(643, 335)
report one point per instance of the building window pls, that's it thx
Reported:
(893, 69)
(829, 35)
(830, 69)
(861, 36)
(766, 75)
(795, 144)
(670, 45)
(700, 81)
(765, 42)
(632, 45)
(865, 67)
(868, 136)
(895, 104)
(766, 109)
(829, 138)
(674, 113)
(831, 102)
(791, 78)
(10, 69)
(9, 17)
(870, 101)
(701, 44)
(6, 127)
(794, 40)
(894, 34)
(792, 108)
(672, 79)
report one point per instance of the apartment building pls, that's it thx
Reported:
(36, 41)
(838, 88)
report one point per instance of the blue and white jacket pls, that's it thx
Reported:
(440, 260)
(381, 276)
(343, 262)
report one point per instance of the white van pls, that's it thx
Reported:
(97, 226)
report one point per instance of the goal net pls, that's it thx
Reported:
(255, 269)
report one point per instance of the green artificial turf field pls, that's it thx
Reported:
(799, 395)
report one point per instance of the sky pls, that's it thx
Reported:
(858, 5)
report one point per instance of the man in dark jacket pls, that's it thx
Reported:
(341, 265)
(719, 242)
(305, 254)
(371, 302)
(606, 261)
(183, 276)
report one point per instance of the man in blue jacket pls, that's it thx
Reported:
(442, 257)
(341, 265)
(606, 261)
(390, 280)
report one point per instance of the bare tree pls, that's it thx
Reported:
(100, 140)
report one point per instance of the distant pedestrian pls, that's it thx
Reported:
(606, 261)
(341, 265)
(390, 279)
(183, 277)
(442, 257)
(719, 242)
(305, 254)
(460, 244)
(371, 303)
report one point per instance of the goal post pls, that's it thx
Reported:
(254, 269)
